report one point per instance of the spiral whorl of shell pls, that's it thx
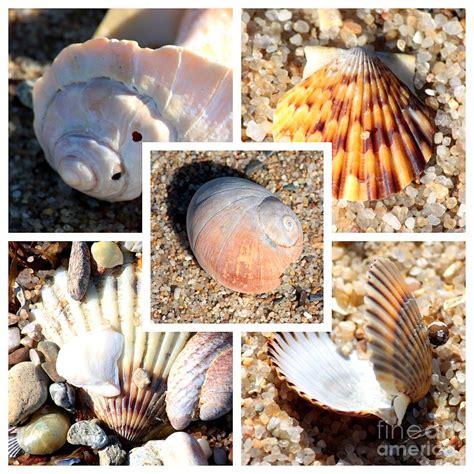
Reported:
(397, 338)
(101, 99)
(111, 307)
(381, 133)
(242, 235)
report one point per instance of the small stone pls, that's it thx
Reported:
(79, 270)
(63, 395)
(301, 26)
(297, 40)
(257, 131)
(20, 355)
(220, 456)
(284, 15)
(181, 449)
(206, 449)
(112, 454)
(13, 319)
(146, 455)
(452, 27)
(14, 337)
(392, 221)
(87, 433)
(50, 352)
(438, 333)
(28, 391)
(24, 92)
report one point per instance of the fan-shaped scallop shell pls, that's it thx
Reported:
(242, 235)
(102, 98)
(103, 345)
(397, 372)
(381, 133)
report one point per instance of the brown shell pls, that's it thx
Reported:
(398, 340)
(382, 134)
(242, 235)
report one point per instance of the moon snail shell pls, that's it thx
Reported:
(242, 235)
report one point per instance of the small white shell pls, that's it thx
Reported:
(102, 98)
(90, 361)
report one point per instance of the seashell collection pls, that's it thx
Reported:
(371, 369)
(132, 385)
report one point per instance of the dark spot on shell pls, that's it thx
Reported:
(116, 176)
(137, 136)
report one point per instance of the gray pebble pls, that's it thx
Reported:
(112, 454)
(24, 93)
(87, 433)
(220, 456)
(28, 390)
(63, 395)
(253, 165)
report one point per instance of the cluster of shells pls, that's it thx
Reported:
(91, 359)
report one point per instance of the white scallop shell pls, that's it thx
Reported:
(110, 308)
(101, 99)
(397, 372)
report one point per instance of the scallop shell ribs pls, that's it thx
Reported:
(381, 133)
(397, 372)
(102, 346)
(242, 235)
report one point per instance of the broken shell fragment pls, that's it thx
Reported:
(381, 133)
(200, 378)
(102, 98)
(107, 254)
(242, 235)
(398, 371)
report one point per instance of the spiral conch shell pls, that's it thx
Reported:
(397, 372)
(103, 347)
(381, 133)
(242, 235)
(102, 98)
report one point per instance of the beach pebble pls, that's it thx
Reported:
(206, 449)
(220, 456)
(50, 352)
(87, 433)
(146, 455)
(181, 449)
(132, 246)
(63, 395)
(20, 355)
(107, 254)
(112, 454)
(13, 339)
(28, 390)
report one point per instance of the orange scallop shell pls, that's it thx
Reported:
(242, 235)
(382, 134)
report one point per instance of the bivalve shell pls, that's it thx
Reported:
(381, 133)
(397, 372)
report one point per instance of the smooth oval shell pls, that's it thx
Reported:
(397, 372)
(113, 302)
(382, 134)
(242, 235)
(192, 380)
(45, 433)
(101, 99)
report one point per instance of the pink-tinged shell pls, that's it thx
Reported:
(242, 235)
(101, 99)
(194, 378)
(216, 392)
